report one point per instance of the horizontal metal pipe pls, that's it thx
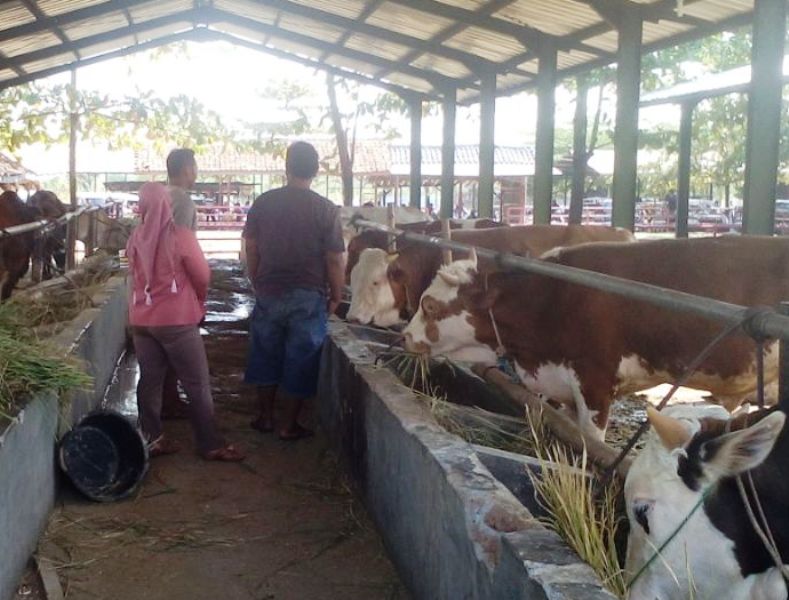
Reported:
(44, 223)
(767, 323)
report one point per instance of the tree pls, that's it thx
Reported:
(39, 112)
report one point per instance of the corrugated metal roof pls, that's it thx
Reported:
(418, 45)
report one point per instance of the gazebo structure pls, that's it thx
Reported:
(463, 51)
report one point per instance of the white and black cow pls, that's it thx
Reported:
(683, 484)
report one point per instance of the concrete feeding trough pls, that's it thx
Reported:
(28, 470)
(458, 520)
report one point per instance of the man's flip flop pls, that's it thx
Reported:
(298, 433)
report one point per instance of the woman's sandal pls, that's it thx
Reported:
(162, 446)
(227, 453)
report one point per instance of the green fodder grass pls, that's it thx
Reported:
(584, 517)
(28, 367)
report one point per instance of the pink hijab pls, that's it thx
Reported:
(153, 236)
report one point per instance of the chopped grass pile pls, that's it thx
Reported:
(586, 518)
(28, 365)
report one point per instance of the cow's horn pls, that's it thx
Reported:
(472, 256)
(392, 257)
(671, 431)
(449, 278)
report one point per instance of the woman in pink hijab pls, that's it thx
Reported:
(168, 283)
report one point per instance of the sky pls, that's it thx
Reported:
(230, 80)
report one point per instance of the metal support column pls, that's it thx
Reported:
(543, 144)
(683, 170)
(783, 365)
(71, 228)
(764, 116)
(487, 145)
(628, 79)
(415, 155)
(579, 152)
(448, 155)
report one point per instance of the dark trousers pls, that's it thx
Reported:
(181, 348)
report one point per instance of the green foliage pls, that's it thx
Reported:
(40, 113)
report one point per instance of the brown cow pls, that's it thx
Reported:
(14, 251)
(583, 347)
(50, 247)
(384, 289)
(372, 238)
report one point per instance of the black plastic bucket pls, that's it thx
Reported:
(105, 456)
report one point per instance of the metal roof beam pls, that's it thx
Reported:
(359, 26)
(437, 80)
(33, 8)
(448, 32)
(369, 8)
(168, 39)
(102, 37)
(46, 23)
(687, 36)
(210, 35)
(528, 36)
(201, 35)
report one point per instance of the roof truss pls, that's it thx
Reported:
(430, 65)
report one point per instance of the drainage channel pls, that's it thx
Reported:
(283, 524)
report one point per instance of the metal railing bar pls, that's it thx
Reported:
(768, 322)
(47, 223)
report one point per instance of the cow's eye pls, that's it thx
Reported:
(375, 283)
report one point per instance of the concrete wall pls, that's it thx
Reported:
(453, 530)
(28, 471)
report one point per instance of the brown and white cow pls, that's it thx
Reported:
(583, 347)
(384, 288)
(15, 251)
(682, 499)
(372, 238)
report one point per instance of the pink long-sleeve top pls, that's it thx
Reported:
(185, 305)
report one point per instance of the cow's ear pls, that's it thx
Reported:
(735, 453)
(395, 273)
(430, 307)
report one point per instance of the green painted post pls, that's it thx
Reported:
(543, 144)
(487, 145)
(628, 78)
(764, 116)
(415, 155)
(683, 170)
(448, 156)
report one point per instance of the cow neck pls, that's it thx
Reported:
(501, 351)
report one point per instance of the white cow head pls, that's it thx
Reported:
(442, 324)
(681, 459)
(372, 298)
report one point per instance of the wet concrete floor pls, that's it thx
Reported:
(284, 524)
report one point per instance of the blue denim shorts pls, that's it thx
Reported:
(286, 333)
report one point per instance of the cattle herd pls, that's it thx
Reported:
(690, 534)
(47, 251)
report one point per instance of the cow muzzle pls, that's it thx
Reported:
(416, 347)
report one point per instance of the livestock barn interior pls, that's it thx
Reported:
(440, 476)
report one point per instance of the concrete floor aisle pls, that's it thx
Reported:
(284, 524)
